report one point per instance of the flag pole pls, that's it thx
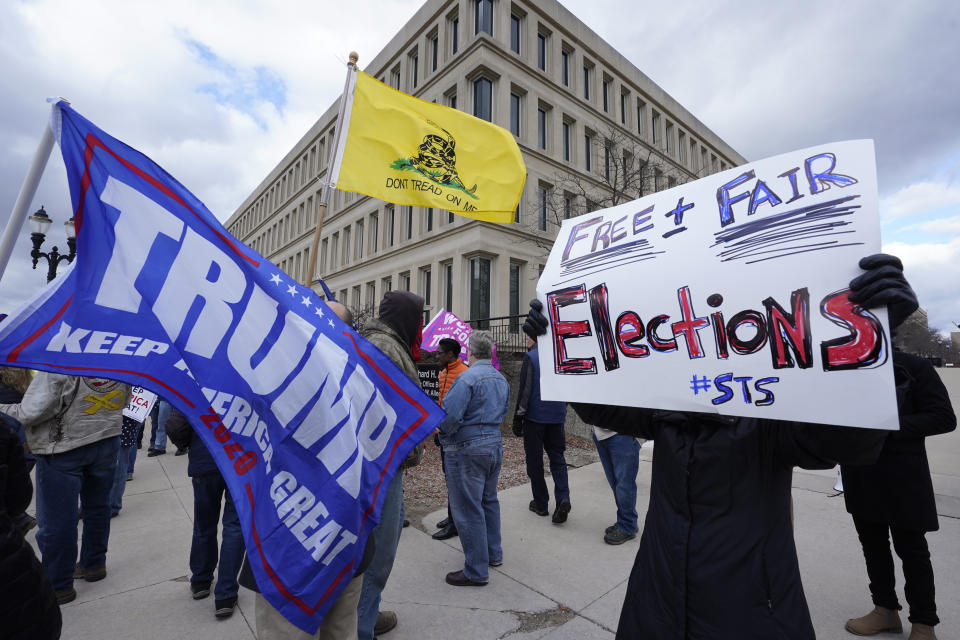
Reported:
(27, 191)
(312, 277)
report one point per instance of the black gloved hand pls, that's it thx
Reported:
(884, 284)
(536, 323)
(518, 426)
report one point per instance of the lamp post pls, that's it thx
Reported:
(39, 225)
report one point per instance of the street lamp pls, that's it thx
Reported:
(39, 225)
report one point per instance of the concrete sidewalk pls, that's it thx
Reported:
(556, 581)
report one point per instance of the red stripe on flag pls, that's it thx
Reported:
(12, 357)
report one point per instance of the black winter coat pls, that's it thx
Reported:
(897, 490)
(28, 608)
(717, 560)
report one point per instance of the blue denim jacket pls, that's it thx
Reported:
(476, 404)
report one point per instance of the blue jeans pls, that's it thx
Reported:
(620, 457)
(124, 455)
(158, 432)
(537, 437)
(473, 468)
(84, 474)
(208, 490)
(133, 454)
(386, 536)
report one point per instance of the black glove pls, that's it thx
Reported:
(536, 323)
(883, 284)
(518, 426)
(436, 438)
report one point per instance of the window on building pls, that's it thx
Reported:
(703, 159)
(565, 68)
(515, 104)
(428, 219)
(408, 223)
(623, 108)
(451, 99)
(693, 156)
(371, 294)
(542, 128)
(588, 152)
(514, 297)
(346, 245)
(426, 284)
(480, 291)
(587, 76)
(682, 147)
(386, 285)
(483, 16)
(360, 239)
(390, 224)
(454, 35)
(334, 251)
(450, 217)
(567, 206)
(542, 208)
(403, 282)
(606, 96)
(515, 32)
(395, 77)
(434, 51)
(516, 213)
(356, 297)
(541, 52)
(565, 140)
(448, 286)
(483, 98)
(374, 232)
(668, 137)
(714, 167)
(323, 257)
(655, 127)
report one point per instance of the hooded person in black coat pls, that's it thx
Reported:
(893, 498)
(717, 559)
(28, 608)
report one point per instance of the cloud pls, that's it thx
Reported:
(917, 198)
(933, 270)
(942, 226)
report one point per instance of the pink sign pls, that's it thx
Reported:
(447, 325)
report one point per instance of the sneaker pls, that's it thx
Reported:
(224, 608)
(560, 514)
(91, 574)
(200, 590)
(386, 621)
(540, 511)
(156, 452)
(610, 528)
(65, 595)
(496, 563)
(617, 536)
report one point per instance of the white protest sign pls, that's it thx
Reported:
(727, 295)
(141, 402)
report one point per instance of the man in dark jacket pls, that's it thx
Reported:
(717, 559)
(395, 332)
(28, 607)
(209, 491)
(894, 498)
(541, 424)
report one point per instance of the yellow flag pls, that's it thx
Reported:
(408, 151)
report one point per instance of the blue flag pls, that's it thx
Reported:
(307, 421)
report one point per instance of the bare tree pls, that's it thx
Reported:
(622, 169)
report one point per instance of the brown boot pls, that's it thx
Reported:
(877, 621)
(922, 632)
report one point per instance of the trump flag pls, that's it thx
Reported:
(307, 421)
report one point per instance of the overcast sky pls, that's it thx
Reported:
(218, 91)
